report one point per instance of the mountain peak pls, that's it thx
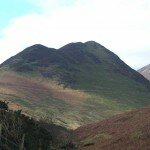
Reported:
(36, 46)
(93, 43)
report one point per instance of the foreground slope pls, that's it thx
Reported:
(126, 132)
(76, 84)
(19, 131)
(145, 71)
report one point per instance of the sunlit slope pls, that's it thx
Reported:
(43, 98)
(78, 83)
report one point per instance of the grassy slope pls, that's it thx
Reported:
(101, 84)
(127, 131)
(40, 97)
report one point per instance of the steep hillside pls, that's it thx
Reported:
(126, 132)
(77, 84)
(145, 71)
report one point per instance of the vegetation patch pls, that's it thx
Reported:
(136, 135)
(103, 135)
(88, 142)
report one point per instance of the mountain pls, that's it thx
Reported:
(70, 61)
(73, 85)
(145, 71)
(125, 132)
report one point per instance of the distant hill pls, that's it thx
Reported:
(126, 131)
(145, 71)
(77, 84)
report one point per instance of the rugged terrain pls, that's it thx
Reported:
(145, 71)
(73, 85)
(128, 131)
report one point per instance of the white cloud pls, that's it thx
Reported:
(122, 26)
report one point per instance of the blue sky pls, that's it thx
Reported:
(13, 8)
(121, 26)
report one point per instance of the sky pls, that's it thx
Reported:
(122, 26)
